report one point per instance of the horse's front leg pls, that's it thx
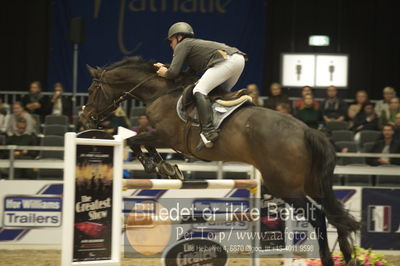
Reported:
(153, 163)
(147, 162)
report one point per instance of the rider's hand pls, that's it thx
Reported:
(158, 64)
(162, 71)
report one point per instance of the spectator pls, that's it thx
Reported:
(252, 90)
(276, 96)
(382, 106)
(309, 113)
(334, 109)
(22, 138)
(144, 125)
(112, 122)
(2, 123)
(386, 145)
(366, 119)
(397, 128)
(284, 108)
(4, 107)
(119, 112)
(355, 108)
(300, 102)
(390, 116)
(61, 104)
(10, 125)
(35, 102)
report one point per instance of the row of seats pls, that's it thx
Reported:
(367, 180)
(337, 125)
(53, 125)
(348, 135)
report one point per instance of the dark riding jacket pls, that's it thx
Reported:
(199, 55)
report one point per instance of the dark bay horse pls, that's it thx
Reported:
(296, 162)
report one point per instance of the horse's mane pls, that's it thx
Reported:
(139, 64)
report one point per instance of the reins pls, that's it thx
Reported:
(116, 102)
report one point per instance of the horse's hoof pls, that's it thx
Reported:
(178, 173)
(165, 169)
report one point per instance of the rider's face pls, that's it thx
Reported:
(172, 42)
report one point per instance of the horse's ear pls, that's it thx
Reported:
(91, 70)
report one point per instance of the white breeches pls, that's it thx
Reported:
(225, 74)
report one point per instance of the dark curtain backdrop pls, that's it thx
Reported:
(367, 30)
(24, 41)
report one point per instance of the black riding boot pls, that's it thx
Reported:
(208, 133)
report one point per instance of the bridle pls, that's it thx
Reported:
(96, 118)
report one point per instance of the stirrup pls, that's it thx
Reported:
(207, 143)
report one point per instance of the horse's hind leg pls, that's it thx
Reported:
(316, 218)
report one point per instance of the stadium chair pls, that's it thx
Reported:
(136, 111)
(56, 120)
(134, 121)
(337, 125)
(369, 136)
(352, 146)
(367, 147)
(54, 155)
(54, 130)
(342, 135)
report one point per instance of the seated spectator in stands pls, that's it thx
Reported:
(382, 106)
(253, 92)
(123, 116)
(35, 102)
(397, 128)
(22, 138)
(143, 125)
(284, 108)
(276, 96)
(390, 117)
(10, 125)
(4, 107)
(333, 108)
(366, 119)
(2, 123)
(355, 108)
(385, 145)
(112, 122)
(62, 105)
(300, 102)
(309, 113)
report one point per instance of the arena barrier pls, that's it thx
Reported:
(86, 158)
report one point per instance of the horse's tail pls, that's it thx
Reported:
(323, 165)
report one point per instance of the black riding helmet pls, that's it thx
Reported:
(182, 28)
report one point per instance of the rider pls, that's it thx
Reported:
(218, 63)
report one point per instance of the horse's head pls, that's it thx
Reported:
(129, 78)
(100, 100)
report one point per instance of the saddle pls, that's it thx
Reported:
(223, 104)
